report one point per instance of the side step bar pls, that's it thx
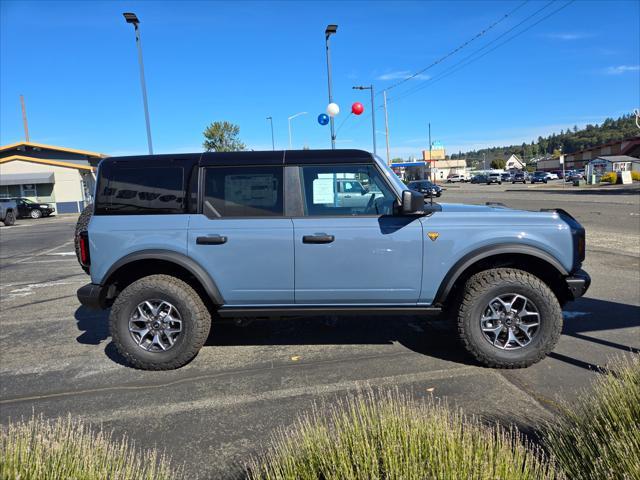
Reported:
(277, 311)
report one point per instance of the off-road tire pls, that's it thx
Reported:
(10, 218)
(81, 226)
(196, 322)
(480, 289)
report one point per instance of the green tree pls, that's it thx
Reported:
(222, 137)
(498, 164)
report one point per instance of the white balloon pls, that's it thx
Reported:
(333, 109)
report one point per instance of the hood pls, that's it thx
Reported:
(464, 208)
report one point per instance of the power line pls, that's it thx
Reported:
(460, 47)
(452, 69)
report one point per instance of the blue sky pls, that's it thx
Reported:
(76, 64)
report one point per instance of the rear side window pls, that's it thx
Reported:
(148, 190)
(243, 192)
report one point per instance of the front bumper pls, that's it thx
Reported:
(578, 283)
(92, 296)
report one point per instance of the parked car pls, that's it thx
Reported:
(539, 177)
(481, 178)
(573, 175)
(560, 174)
(552, 176)
(457, 178)
(175, 239)
(520, 177)
(351, 193)
(494, 178)
(8, 211)
(505, 177)
(29, 208)
(425, 187)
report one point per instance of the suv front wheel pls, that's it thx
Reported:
(159, 323)
(508, 318)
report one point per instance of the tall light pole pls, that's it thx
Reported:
(330, 30)
(289, 119)
(373, 114)
(133, 19)
(273, 143)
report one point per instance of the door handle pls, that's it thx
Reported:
(322, 238)
(347, 196)
(211, 240)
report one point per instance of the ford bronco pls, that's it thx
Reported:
(176, 239)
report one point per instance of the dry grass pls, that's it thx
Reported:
(39, 449)
(390, 436)
(598, 437)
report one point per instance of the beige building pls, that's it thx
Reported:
(514, 163)
(61, 176)
(441, 169)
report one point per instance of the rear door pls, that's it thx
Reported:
(354, 255)
(241, 236)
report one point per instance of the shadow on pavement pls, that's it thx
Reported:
(431, 336)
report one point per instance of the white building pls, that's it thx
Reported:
(514, 163)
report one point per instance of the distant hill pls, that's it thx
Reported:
(571, 140)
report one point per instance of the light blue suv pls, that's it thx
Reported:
(175, 241)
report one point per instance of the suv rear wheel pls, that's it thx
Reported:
(508, 318)
(10, 218)
(159, 323)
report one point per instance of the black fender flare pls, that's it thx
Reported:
(174, 257)
(489, 251)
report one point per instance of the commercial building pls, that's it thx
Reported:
(612, 163)
(579, 160)
(48, 174)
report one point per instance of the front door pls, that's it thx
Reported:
(355, 254)
(241, 237)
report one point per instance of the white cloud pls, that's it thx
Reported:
(401, 75)
(568, 36)
(620, 69)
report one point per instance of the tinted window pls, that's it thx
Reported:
(243, 192)
(323, 197)
(140, 190)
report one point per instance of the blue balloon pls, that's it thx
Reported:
(323, 119)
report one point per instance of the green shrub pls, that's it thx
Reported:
(67, 449)
(598, 436)
(390, 436)
(635, 176)
(611, 177)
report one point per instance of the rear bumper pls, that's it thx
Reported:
(578, 283)
(92, 296)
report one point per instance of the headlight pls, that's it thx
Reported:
(44, 206)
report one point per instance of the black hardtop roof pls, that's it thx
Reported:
(269, 157)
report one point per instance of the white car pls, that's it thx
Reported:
(552, 176)
(456, 178)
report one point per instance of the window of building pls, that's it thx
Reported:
(29, 190)
(137, 190)
(243, 192)
(325, 191)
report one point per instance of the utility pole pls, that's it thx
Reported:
(386, 126)
(133, 19)
(24, 119)
(431, 172)
(330, 30)
(273, 143)
(484, 162)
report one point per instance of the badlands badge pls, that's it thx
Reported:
(433, 236)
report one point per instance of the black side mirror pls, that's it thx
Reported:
(412, 202)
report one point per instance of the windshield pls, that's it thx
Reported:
(26, 200)
(397, 184)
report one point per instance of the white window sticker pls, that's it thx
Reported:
(323, 191)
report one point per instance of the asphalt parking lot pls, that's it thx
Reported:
(56, 357)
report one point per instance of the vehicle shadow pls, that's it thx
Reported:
(430, 335)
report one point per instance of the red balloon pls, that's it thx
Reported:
(357, 108)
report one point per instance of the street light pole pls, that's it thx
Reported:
(373, 114)
(133, 19)
(273, 143)
(330, 30)
(289, 119)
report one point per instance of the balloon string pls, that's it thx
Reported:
(343, 122)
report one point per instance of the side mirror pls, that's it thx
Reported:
(412, 202)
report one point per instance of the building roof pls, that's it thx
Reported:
(44, 161)
(42, 146)
(617, 158)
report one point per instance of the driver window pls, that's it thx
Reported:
(336, 190)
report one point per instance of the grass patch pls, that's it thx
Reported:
(38, 449)
(598, 436)
(391, 436)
